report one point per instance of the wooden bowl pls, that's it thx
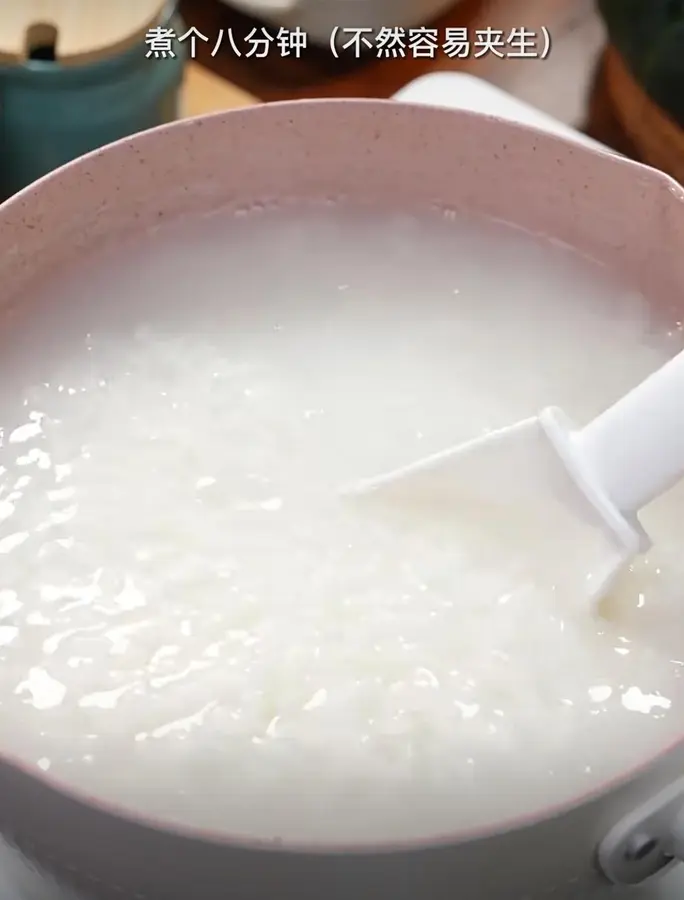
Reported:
(656, 137)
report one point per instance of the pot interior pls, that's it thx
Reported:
(221, 321)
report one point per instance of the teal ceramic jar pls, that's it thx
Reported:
(50, 114)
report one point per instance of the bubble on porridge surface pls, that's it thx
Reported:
(191, 621)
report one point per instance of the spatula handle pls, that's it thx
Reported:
(636, 447)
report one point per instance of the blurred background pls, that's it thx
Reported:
(76, 74)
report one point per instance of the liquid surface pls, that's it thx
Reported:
(194, 624)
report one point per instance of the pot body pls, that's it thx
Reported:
(384, 154)
(106, 857)
(318, 18)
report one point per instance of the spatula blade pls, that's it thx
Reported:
(517, 475)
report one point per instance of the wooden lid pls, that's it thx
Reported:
(81, 31)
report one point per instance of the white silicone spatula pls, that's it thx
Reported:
(617, 464)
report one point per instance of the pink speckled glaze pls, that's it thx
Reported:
(378, 153)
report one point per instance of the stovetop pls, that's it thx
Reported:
(18, 880)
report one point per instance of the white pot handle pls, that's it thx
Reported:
(647, 841)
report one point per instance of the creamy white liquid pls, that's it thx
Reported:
(194, 624)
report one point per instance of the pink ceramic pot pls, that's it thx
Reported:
(624, 214)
